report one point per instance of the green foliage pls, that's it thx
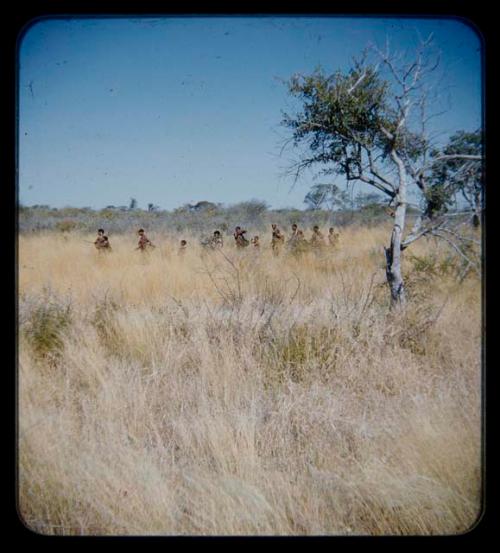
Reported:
(44, 328)
(326, 195)
(297, 353)
(437, 198)
(367, 200)
(450, 177)
(463, 142)
(354, 121)
(426, 267)
(340, 112)
(315, 198)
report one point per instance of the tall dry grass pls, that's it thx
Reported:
(245, 394)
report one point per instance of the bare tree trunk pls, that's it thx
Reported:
(476, 218)
(393, 252)
(393, 270)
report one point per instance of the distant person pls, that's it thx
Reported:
(102, 241)
(333, 237)
(182, 248)
(255, 242)
(239, 237)
(277, 240)
(300, 245)
(292, 241)
(144, 242)
(216, 241)
(317, 238)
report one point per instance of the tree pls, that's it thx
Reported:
(133, 203)
(328, 195)
(367, 199)
(252, 208)
(450, 177)
(371, 124)
(202, 207)
(249, 212)
(315, 198)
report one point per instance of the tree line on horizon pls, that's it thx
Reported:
(364, 209)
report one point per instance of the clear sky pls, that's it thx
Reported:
(182, 109)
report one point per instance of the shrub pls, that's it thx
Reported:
(44, 327)
(296, 354)
(66, 225)
(426, 265)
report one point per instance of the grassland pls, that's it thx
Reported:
(244, 394)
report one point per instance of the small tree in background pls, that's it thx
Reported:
(328, 196)
(249, 212)
(367, 199)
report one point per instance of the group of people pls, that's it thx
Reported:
(102, 241)
(296, 243)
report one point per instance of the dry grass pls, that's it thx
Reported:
(244, 394)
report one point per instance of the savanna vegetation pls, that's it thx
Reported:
(237, 393)
(328, 391)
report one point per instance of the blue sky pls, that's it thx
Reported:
(182, 109)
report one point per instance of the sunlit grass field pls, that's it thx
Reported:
(239, 393)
